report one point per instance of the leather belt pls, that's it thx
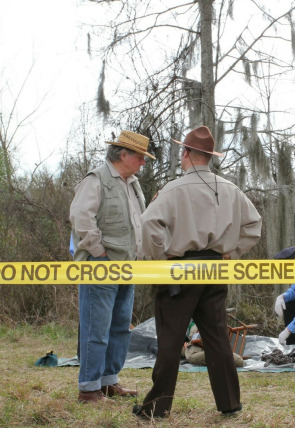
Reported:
(199, 254)
(202, 254)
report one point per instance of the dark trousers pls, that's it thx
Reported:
(206, 305)
(289, 314)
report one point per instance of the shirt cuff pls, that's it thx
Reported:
(291, 326)
(234, 255)
(97, 251)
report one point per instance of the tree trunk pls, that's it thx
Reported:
(208, 98)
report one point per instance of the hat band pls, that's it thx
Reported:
(132, 146)
(130, 139)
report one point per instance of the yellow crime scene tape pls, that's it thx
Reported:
(150, 272)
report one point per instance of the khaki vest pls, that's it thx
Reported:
(113, 217)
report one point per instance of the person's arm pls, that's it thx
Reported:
(283, 336)
(250, 229)
(291, 326)
(154, 222)
(83, 212)
(280, 304)
(289, 295)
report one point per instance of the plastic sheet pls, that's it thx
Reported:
(143, 350)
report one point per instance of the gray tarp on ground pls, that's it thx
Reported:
(143, 349)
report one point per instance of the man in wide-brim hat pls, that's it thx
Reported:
(196, 217)
(105, 216)
(200, 139)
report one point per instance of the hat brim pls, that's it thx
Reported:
(286, 253)
(130, 147)
(200, 150)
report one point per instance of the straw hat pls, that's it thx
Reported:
(200, 139)
(133, 141)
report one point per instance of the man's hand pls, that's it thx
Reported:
(283, 336)
(280, 305)
(226, 256)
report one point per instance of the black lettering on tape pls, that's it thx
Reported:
(128, 273)
(8, 272)
(238, 268)
(68, 272)
(25, 272)
(42, 272)
(289, 271)
(190, 269)
(264, 270)
(223, 270)
(248, 267)
(172, 271)
(55, 268)
(114, 274)
(277, 272)
(86, 271)
(97, 275)
(208, 274)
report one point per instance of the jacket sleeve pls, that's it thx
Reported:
(291, 326)
(289, 295)
(83, 212)
(154, 224)
(250, 228)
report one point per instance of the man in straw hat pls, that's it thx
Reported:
(197, 216)
(105, 216)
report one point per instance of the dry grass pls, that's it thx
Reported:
(31, 396)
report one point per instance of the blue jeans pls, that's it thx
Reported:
(105, 317)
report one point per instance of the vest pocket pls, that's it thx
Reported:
(115, 242)
(112, 210)
(113, 214)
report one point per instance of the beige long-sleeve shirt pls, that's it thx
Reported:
(85, 206)
(185, 216)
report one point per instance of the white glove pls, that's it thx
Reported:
(283, 336)
(280, 305)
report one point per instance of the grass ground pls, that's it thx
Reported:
(32, 396)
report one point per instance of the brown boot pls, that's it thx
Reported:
(93, 397)
(117, 389)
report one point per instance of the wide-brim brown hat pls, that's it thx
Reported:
(133, 141)
(200, 139)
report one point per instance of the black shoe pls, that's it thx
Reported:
(137, 411)
(233, 411)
